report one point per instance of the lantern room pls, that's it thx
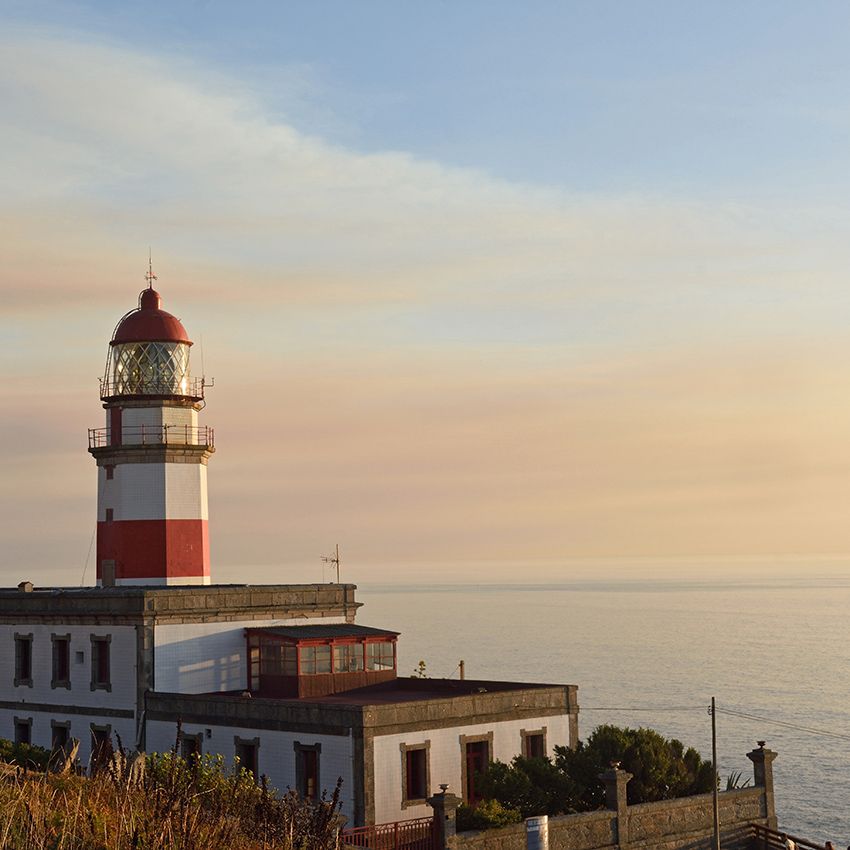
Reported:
(313, 661)
(149, 355)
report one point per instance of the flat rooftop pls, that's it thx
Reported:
(321, 631)
(186, 602)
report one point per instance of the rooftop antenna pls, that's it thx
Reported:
(332, 559)
(150, 277)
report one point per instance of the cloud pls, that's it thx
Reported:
(410, 357)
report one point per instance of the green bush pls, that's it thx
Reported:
(488, 814)
(531, 786)
(661, 769)
(25, 755)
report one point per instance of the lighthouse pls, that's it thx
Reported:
(151, 454)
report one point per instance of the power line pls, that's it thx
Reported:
(730, 711)
(775, 722)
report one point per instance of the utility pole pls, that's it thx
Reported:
(715, 803)
(333, 559)
(462, 668)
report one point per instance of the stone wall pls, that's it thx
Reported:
(686, 823)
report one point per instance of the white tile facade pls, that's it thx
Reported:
(122, 662)
(198, 658)
(80, 728)
(275, 756)
(145, 491)
(446, 758)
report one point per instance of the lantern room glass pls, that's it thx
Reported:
(147, 368)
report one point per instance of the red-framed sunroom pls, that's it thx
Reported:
(317, 660)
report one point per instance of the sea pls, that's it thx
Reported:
(652, 653)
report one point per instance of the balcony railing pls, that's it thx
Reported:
(153, 435)
(184, 388)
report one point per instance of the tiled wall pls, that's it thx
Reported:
(196, 658)
(446, 758)
(276, 753)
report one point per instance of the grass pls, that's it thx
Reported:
(157, 802)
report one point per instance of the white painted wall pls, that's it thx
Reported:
(133, 418)
(122, 661)
(447, 758)
(80, 728)
(276, 754)
(145, 491)
(198, 658)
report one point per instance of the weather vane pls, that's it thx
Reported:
(150, 277)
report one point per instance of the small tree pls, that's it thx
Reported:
(661, 768)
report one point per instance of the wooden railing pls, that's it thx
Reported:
(771, 839)
(418, 834)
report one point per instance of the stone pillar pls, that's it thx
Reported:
(445, 807)
(615, 799)
(762, 760)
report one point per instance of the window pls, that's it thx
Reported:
(476, 752)
(254, 663)
(23, 730)
(380, 656)
(101, 746)
(277, 659)
(307, 770)
(534, 743)
(247, 750)
(60, 735)
(190, 746)
(100, 662)
(61, 661)
(315, 659)
(109, 514)
(415, 779)
(23, 660)
(110, 472)
(348, 657)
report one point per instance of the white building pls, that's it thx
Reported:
(279, 675)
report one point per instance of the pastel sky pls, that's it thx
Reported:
(483, 286)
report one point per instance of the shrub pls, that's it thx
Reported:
(532, 786)
(661, 769)
(24, 755)
(488, 814)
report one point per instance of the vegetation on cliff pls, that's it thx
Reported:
(155, 802)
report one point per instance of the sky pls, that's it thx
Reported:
(487, 289)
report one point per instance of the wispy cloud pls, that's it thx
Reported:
(406, 351)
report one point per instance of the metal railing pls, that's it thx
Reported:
(186, 388)
(418, 834)
(771, 839)
(153, 435)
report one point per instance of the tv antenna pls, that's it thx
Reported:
(333, 559)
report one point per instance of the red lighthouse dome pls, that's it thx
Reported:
(149, 323)
(149, 355)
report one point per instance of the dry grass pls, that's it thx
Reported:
(158, 802)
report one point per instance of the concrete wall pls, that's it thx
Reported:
(682, 824)
(275, 755)
(447, 756)
(197, 658)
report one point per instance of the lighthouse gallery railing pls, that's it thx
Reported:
(153, 435)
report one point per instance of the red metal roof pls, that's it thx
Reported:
(150, 324)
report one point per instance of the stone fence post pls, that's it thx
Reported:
(615, 799)
(445, 807)
(762, 760)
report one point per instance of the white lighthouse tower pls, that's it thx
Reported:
(152, 455)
